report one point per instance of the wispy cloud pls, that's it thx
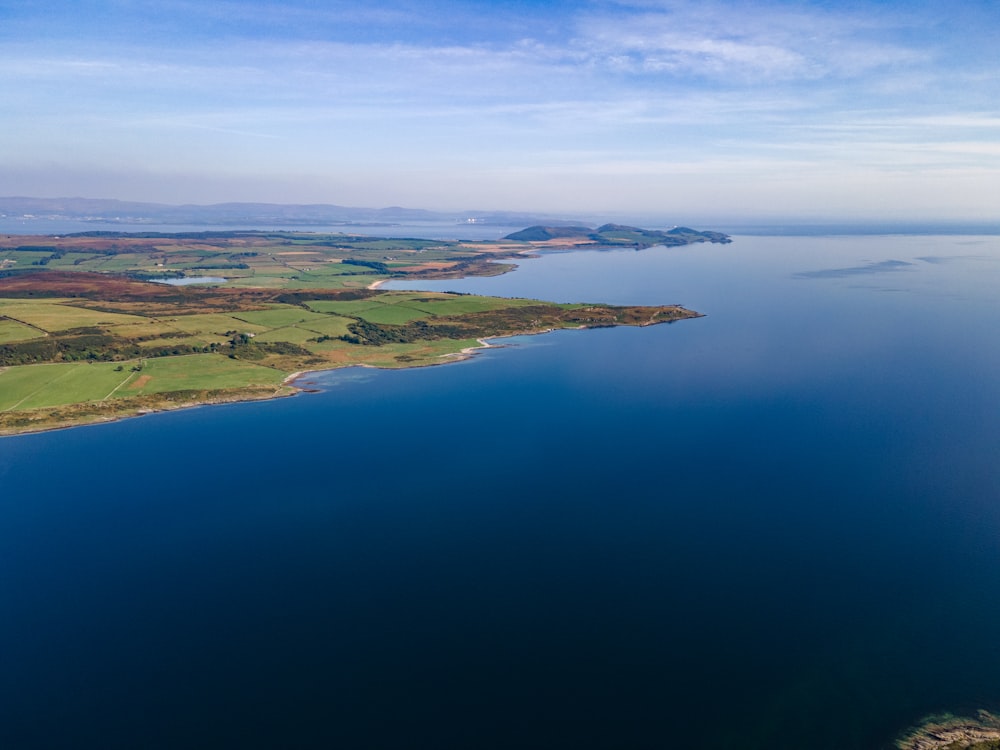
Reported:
(746, 42)
(714, 92)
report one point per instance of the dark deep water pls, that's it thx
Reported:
(772, 527)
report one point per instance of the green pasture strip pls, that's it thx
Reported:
(278, 316)
(81, 382)
(332, 325)
(19, 383)
(269, 265)
(325, 270)
(197, 251)
(347, 307)
(212, 323)
(336, 269)
(149, 327)
(198, 372)
(343, 281)
(126, 262)
(11, 331)
(406, 298)
(196, 340)
(392, 314)
(55, 317)
(40, 386)
(71, 260)
(6, 302)
(258, 281)
(206, 267)
(291, 334)
(388, 243)
(275, 270)
(464, 304)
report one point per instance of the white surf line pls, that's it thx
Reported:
(128, 378)
(43, 386)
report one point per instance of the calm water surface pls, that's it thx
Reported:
(772, 527)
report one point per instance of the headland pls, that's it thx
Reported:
(89, 334)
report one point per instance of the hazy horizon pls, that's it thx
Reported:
(774, 111)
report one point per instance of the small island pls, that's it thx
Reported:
(103, 325)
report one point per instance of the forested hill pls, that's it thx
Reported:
(610, 235)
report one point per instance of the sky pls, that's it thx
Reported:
(815, 110)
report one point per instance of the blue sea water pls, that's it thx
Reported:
(772, 527)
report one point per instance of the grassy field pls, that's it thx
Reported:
(291, 334)
(61, 317)
(392, 314)
(198, 372)
(35, 386)
(212, 323)
(38, 386)
(11, 330)
(279, 316)
(331, 325)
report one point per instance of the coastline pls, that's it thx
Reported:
(446, 359)
(132, 410)
(287, 361)
(287, 388)
(91, 413)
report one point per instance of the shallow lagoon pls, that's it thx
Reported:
(772, 527)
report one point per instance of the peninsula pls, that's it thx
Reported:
(103, 325)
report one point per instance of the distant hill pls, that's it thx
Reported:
(612, 235)
(237, 214)
(132, 212)
(541, 234)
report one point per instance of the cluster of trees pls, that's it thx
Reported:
(90, 345)
(372, 334)
(244, 346)
(375, 265)
(56, 255)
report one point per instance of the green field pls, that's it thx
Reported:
(55, 317)
(464, 304)
(348, 307)
(212, 323)
(394, 315)
(277, 316)
(331, 325)
(291, 334)
(11, 330)
(199, 372)
(35, 386)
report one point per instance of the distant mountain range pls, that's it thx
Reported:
(277, 214)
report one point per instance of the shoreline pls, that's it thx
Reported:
(461, 354)
(287, 387)
(161, 408)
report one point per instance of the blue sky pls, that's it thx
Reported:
(738, 110)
